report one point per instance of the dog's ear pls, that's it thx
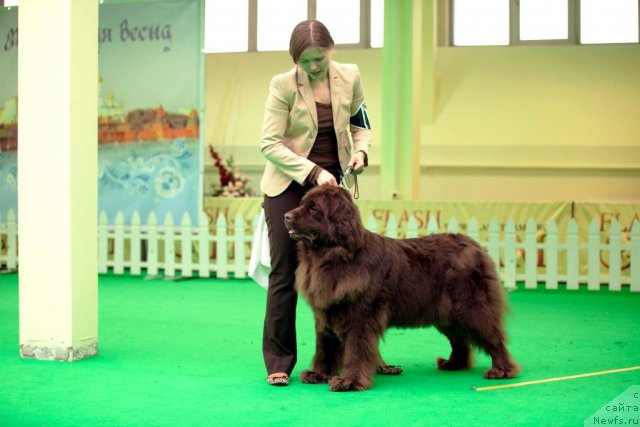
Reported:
(351, 236)
(349, 229)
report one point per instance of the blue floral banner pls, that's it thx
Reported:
(149, 157)
(148, 121)
(147, 177)
(8, 110)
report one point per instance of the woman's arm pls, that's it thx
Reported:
(274, 145)
(359, 126)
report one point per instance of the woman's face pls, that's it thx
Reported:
(315, 62)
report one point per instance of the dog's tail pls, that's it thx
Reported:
(491, 279)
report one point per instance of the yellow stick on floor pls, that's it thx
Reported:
(548, 380)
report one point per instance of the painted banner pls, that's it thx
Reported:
(149, 157)
(148, 123)
(626, 214)
(421, 211)
(484, 212)
(8, 110)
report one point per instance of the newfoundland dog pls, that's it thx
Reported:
(359, 284)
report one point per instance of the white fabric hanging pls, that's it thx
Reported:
(260, 261)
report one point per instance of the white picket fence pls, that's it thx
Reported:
(188, 250)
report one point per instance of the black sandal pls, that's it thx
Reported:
(389, 370)
(278, 381)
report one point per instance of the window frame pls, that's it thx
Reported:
(573, 37)
(573, 23)
(365, 26)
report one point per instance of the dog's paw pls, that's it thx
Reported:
(452, 365)
(311, 377)
(499, 374)
(389, 370)
(345, 384)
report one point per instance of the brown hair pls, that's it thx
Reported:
(307, 34)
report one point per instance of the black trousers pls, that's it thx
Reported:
(279, 347)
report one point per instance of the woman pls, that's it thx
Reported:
(309, 114)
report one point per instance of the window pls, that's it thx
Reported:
(341, 18)
(229, 20)
(265, 25)
(377, 23)
(504, 22)
(609, 21)
(544, 19)
(478, 23)
(276, 19)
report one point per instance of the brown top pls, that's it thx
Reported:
(324, 152)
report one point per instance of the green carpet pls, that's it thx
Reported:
(188, 354)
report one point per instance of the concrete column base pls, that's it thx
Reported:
(61, 354)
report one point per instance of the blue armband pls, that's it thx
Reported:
(361, 119)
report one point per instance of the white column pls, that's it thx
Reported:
(57, 178)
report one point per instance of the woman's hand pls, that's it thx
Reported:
(357, 163)
(326, 178)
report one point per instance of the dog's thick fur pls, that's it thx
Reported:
(359, 284)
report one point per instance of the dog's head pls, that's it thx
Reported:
(326, 218)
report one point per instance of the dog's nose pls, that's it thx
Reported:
(288, 217)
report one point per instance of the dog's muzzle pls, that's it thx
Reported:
(302, 236)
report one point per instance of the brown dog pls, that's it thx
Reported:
(359, 284)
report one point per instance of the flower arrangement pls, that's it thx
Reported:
(232, 182)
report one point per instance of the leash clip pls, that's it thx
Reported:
(343, 180)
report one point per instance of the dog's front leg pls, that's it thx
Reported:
(326, 361)
(360, 355)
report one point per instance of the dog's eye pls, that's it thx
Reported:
(313, 208)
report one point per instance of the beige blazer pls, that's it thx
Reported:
(291, 124)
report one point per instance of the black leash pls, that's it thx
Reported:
(343, 181)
